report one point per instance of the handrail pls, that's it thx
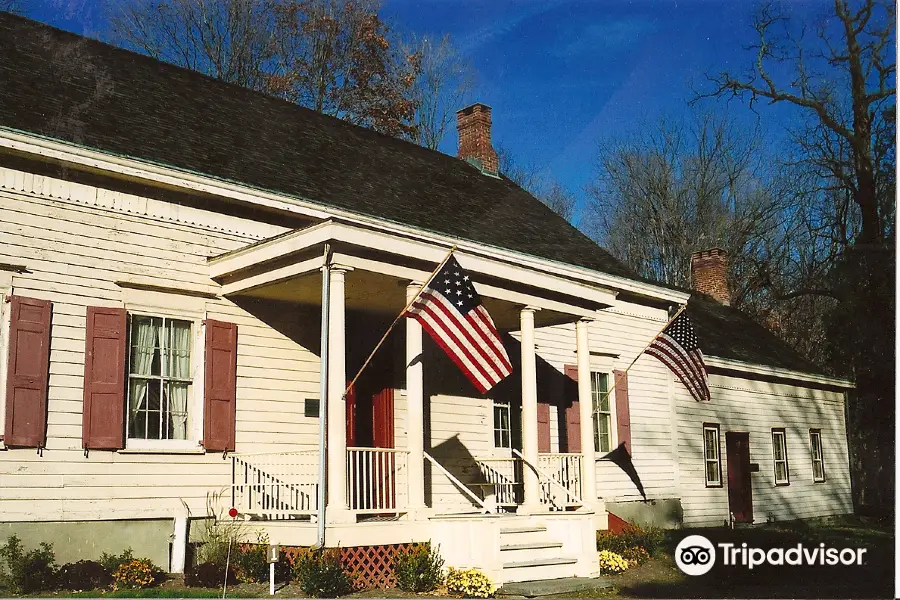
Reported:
(286, 453)
(457, 483)
(548, 477)
(384, 450)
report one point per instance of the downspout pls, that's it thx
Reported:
(323, 395)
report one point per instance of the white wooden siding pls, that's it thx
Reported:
(756, 407)
(76, 242)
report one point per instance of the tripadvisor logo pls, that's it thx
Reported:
(696, 555)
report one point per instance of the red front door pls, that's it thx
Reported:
(740, 496)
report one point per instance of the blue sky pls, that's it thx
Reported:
(562, 75)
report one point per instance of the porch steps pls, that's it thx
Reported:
(528, 553)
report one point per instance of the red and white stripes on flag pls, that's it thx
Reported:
(678, 348)
(450, 310)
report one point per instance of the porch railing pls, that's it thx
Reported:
(459, 484)
(554, 490)
(280, 485)
(501, 481)
(377, 480)
(566, 470)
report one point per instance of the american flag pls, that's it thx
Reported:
(450, 310)
(677, 347)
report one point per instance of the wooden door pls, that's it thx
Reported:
(385, 470)
(740, 496)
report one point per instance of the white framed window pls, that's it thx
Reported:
(161, 407)
(602, 412)
(818, 460)
(779, 455)
(502, 428)
(711, 456)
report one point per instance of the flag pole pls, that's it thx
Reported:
(641, 353)
(400, 316)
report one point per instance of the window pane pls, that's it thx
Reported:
(712, 450)
(178, 349)
(712, 471)
(816, 443)
(818, 470)
(144, 359)
(604, 433)
(780, 471)
(177, 396)
(778, 443)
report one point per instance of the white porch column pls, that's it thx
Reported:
(586, 412)
(337, 509)
(415, 410)
(531, 484)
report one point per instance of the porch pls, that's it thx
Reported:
(410, 454)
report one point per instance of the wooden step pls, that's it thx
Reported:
(531, 546)
(540, 562)
(523, 529)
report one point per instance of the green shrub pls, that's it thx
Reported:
(321, 575)
(635, 555)
(648, 538)
(419, 570)
(26, 572)
(112, 562)
(136, 574)
(83, 575)
(250, 562)
(210, 575)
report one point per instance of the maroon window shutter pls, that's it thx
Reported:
(623, 417)
(103, 419)
(543, 422)
(220, 387)
(28, 373)
(573, 414)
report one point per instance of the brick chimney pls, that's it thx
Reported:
(474, 126)
(709, 274)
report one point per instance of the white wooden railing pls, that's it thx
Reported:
(280, 485)
(554, 490)
(565, 470)
(501, 481)
(377, 480)
(459, 485)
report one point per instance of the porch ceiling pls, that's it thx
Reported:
(367, 291)
(287, 268)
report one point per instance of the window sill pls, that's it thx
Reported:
(197, 450)
(782, 483)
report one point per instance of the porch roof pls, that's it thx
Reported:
(287, 267)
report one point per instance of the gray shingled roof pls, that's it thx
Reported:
(68, 87)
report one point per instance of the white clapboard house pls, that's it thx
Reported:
(163, 239)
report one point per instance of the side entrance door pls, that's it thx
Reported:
(740, 495)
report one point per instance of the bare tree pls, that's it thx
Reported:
(334, 56)
(680, 187)
(843, 79)
(539, 184)
(560, 200)
(231, 40)
(443, 85)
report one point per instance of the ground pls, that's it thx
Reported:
(661, 578)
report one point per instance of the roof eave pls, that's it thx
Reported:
(758, 369)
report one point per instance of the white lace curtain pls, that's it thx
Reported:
(147, 334)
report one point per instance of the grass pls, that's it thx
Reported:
(661, 578)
